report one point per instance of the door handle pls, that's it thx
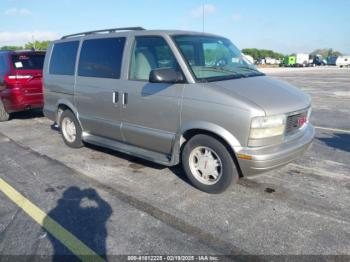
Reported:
(115, 97)
(125, 98)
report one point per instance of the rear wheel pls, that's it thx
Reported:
(4, 116)
(71, 130)
(208, 164)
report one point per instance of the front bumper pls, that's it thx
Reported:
(263, 159)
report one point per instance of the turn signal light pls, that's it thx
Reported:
(244, 156)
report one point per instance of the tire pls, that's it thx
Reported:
(71, 130)
(198, 163)
(4, 116)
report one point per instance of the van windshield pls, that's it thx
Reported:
(214, 58)
(28, 61)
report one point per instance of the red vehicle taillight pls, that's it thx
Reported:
(13, 80)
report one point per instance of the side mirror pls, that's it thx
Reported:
(166, 75)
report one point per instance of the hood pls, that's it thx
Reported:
(273, 96)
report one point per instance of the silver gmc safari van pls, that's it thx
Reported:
(175, 97)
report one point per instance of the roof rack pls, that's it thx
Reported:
(112, 30)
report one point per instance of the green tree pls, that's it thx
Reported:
(37, 45)
(325, 52)
(11, 47)
(262, 53)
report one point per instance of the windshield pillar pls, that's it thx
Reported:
(182, 63)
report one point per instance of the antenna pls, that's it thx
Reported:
(203, 14)
(33, 41)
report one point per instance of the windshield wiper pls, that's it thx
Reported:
(225, 70)
(231, 70)
(230, 74)
(250, 69)
(222, 78)
(216, 68)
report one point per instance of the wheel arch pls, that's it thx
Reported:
(221, 134)
(63, 105)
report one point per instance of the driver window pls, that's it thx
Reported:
(150, 53)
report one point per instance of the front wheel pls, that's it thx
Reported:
(71, 130)
(4, 116)
(208, 164)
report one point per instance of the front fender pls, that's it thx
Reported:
(231, 140)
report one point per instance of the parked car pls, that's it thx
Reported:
(20, 81)
(175, 97)
(343, 61)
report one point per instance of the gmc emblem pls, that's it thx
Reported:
(301, 121)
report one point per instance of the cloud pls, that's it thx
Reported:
(18, 12)
(24, 37)
(208, 10)
(236, 17)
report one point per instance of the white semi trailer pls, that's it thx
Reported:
(302, 59)
(271, 61)
(343, 61)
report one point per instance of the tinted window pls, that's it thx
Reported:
(28, 61)
(2, 65)
(101, 58)
(63, 58)
(150, 53)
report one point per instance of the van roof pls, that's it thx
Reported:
(126, 31)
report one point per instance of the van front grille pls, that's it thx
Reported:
(295, 122)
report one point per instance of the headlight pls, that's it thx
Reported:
(268, 126)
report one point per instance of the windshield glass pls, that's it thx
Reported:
(28, 61)
(214, 58)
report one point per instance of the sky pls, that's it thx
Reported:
(287, 26)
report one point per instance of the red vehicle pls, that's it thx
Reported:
(20, 81)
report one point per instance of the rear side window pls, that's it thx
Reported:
(101, 58)
(63, 58)
(28, 61)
